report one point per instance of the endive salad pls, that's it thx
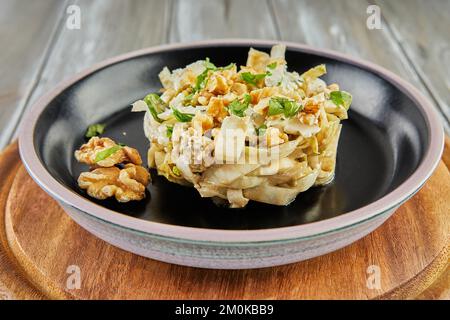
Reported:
(257, 132)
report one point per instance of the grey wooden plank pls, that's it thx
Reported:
(206, 19)
(341, 25)
(423, 30)
(108, 28)
(26, 31)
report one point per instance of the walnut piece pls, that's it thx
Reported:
(216, 109)
(217, 84)
(119, 174)
(88, 152)
(124, 184)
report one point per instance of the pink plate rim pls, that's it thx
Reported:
(389, 201)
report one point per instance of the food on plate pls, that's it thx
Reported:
(116, 170)
(257, 133)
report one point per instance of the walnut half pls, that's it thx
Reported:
(116, 170)
(124, 184)
(89, 151)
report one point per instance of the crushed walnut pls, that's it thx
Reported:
(116, 171)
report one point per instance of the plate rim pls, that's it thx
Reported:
(363, 214)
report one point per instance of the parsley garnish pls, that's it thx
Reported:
(253, 78)
(95, 130)
(188, 99)
(272, 65)
(279, 105)
(261, 130)
(202, 78)
(182, 117)
(237, 107)
(169, 131)
(209, 65)
(341, 98)
(155, 105)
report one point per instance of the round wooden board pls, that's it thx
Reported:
(40, 243)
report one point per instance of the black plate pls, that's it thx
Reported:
(381, 144)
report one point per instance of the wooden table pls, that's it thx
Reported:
(39, 49)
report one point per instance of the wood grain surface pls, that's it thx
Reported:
(425, 43)
(22, 57)
(39, 242)
(206, 19)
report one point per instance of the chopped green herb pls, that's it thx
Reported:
(261, 130)
(272, 65)
(291, 108)
(189, 96)
(275, 107)
(102, 155)
(209, 65)
(279, 105)
(95, 130)
(202, 78)
(169, 131)
(237, 107)
(182, 117)
(253, 78)
(341, 98)
(188, 99)
(155, 105)
(201, 81)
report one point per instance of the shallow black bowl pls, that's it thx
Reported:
(381, 145)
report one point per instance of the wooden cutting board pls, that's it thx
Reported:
(44, 254)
